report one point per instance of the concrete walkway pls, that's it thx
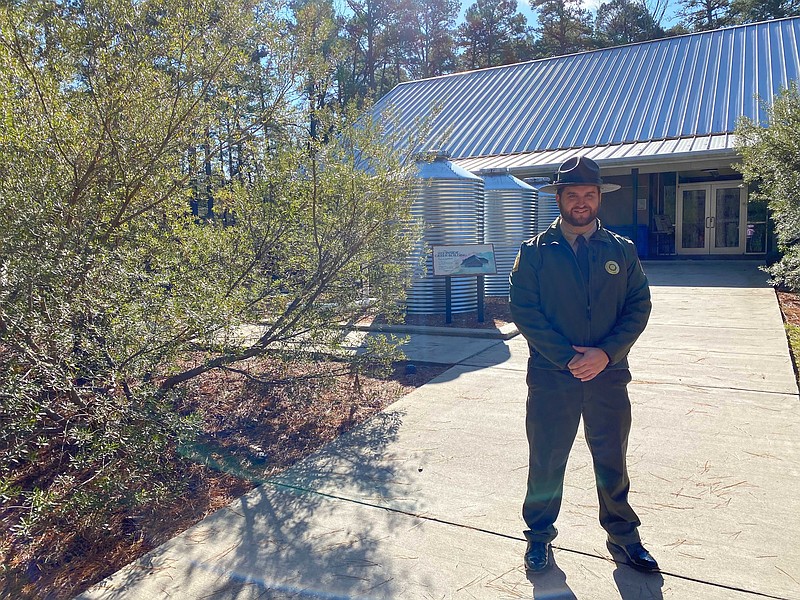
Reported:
(424, 501)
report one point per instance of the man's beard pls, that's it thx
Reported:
(578, 221)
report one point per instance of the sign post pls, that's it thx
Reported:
(448, 304)
(481, 289)
(463, 261)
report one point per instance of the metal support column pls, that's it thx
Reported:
(635, 183)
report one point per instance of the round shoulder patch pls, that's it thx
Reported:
(612, 267)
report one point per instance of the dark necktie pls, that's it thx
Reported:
(582, 254)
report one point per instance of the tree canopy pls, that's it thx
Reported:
(493, 33)
(753, 11)
(565, 26)
(377, 44)
(624, 22)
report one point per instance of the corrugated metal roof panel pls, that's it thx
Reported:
(681, 88)
(630, 153)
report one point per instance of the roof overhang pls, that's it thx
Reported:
(618, 159)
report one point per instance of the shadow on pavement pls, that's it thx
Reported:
(289, 538)
(706, 273)
(633, 585)
(551, 584)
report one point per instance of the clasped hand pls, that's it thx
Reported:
(587, 363)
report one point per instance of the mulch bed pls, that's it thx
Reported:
(251, 430)
(790, 309)
(790, 306)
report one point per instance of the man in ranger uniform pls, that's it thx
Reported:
(579, 296)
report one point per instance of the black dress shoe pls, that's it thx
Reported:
(537, 556)
(636, 556)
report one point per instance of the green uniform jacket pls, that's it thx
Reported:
(554, 310)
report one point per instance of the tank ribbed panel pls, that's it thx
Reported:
(547, 211)
(451, 211)
(509, 219)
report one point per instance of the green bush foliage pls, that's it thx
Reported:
(771, 165)
(116, 117)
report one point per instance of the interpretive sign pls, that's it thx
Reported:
(473, 259)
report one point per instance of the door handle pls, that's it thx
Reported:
(709, 222)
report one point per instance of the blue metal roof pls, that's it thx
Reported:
(682, 88)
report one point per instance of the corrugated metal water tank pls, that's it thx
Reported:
(448, 200)
(509, 219)
(546, 207)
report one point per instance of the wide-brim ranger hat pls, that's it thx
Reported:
(578, 170)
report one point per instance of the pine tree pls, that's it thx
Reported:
(432, 42)
(754, 11)
(704, 15)
(494, 33)
(625, 21)
(564, 27)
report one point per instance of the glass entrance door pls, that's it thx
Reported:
(692, 238)
(728, 223)
(710, 219)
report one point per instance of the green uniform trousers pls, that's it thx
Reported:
(556, 401)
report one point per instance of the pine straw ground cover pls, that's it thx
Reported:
(790, 308)
(249, 431)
